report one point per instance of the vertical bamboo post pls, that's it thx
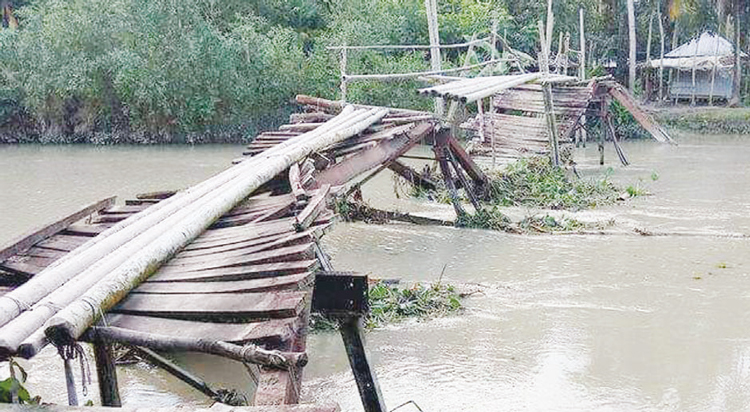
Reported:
(647, 76)
(672, 70)
(343, 73)
(432, 27)
(582, 58)
(603, 122)
(632, 46)
(549, 111)
(106, 373)
(70, 382)
(695, 57)
(713, 73)
(550, 25)
(661, 54)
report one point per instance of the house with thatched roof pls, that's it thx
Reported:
(711, 57)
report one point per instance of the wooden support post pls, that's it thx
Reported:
(613, 136)
(582, 56)
(109, 391)
(343, 74)
(603, 122)
(465, 183)
(412, 175)
(463, 158)
(661, 54)
(178, 372)
(695, 56)
(70, 382)
(352, 332)
(549, 114)
(433, 31)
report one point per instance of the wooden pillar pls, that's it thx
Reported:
(441, 155)
(551, 122)
(352, 332)
(603, 122)
(105, 370)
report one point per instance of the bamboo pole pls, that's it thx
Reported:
(695, 55)
(343, 74)
(70, 382)
(582, 59)
(647, 76)
(713, 74)
(519, 80)
(661, 55)
(70, 323)
(432, 27)
(632, 46)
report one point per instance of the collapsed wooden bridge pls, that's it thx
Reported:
(233, 266)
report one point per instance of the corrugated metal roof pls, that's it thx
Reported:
(708, 44)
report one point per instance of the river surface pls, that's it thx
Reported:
(613, 322)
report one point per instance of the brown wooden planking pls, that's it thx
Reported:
(84, 230)
(239, 233)
(63, 242)
(24, 242)
(237, 273)
(258, 244)
(294, 282)
(386, 150)
(313, 209)
(278, 244)
(38, 252)
(23, 269)
(289, 253)
(276, 330)
(218, 307)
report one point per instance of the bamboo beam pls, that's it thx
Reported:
(352, 333)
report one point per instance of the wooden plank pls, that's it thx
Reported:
(297, 252)
(313, 209)
(237, 273)
(412, 175)
(290, 282)
(84, 230)
(274, 331)
(384, 152)
(218, 307)
(250, 230)
(159, 195)
(463, 158)
(63, 242)
(37, 235)
(38, 252)
(643, 118)
(256, 245)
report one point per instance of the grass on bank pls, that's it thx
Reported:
(393, 303)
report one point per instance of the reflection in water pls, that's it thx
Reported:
(564, 323)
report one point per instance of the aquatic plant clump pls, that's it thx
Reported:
(391, 304)
(535, 182)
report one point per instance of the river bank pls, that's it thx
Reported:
(705, 119)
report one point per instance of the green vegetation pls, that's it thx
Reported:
(535, 182)
(201, 70)
(707, 119)
(391, 304)
(13, 386)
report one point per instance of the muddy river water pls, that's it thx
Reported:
(612, 322)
